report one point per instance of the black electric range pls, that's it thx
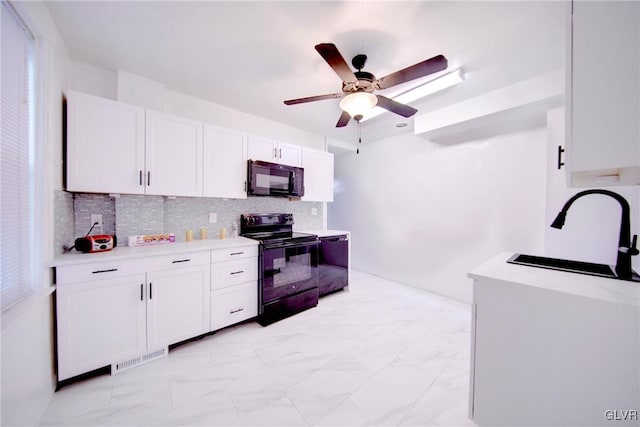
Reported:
(288, 265)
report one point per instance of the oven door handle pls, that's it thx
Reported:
(291, 245)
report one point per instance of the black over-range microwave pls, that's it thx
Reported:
(273, 179)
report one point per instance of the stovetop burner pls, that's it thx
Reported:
(272, 229)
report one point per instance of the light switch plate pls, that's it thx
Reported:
(213, 217)
(314, 211)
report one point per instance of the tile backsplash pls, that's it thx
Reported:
(127, 215)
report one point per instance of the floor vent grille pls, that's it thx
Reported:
(138, 360)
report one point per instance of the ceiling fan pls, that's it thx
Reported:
(358, 86)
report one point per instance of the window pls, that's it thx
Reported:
(18, 271)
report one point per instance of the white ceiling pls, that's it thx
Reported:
(251, 56)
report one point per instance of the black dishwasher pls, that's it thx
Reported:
(333, 273)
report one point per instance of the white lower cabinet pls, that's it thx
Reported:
(111, 311)
(234, 286)
(178, 305)
(100, 322)
(546, 357)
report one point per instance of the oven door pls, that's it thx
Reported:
(288, 269)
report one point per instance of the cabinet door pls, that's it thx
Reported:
(318, 175)
(105, 145)
(289, 154)
(179, 305)
(225, 163)
(603, 105)
(173, 155)
(99, 322)
(262, 149)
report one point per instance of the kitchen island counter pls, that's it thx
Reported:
(553, 348)
(599, 288)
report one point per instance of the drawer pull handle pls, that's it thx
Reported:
(104, 271)
(236, 253)
(237, 272)
(180, 260)
(236, 311)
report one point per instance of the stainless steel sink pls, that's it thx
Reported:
(580, 267)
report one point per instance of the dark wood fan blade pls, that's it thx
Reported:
(343, 120)
(395, 107)
(421, 69)
(330, 53)
(314, 98)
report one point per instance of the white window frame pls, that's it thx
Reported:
(39, 283)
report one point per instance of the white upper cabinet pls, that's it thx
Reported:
(113, 147)
(105, 145)
(225, 163)
(318, 175)
(173, 155)
(603, 94)
(269, 150)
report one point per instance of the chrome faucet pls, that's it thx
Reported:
(626, 248)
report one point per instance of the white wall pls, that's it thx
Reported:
(27, 330)
(424, 214)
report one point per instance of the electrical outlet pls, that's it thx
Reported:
(314, 211)
(96, 218)
(213, 218)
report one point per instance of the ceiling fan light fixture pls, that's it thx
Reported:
(358, 103)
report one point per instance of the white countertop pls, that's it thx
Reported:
(600, 288)
(325, 233)
(128, 252)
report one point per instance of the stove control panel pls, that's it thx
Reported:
(253, 220)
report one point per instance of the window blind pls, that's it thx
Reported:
(17, 168)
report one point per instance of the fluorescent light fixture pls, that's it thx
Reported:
(432, 86)
(358, 103)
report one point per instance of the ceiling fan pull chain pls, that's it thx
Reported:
(359, 137)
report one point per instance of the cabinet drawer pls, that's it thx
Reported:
(229, 254)
(97, 270)
(234, 304)
(224, 274)
(167, 262)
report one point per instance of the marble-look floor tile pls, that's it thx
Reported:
(346, 414)
(260, 386)
(93, 394)
(390, 394)
(212, 409)
(446, 402)
(280, 412)
(415, 418)
(380, 354)
(319, 393)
